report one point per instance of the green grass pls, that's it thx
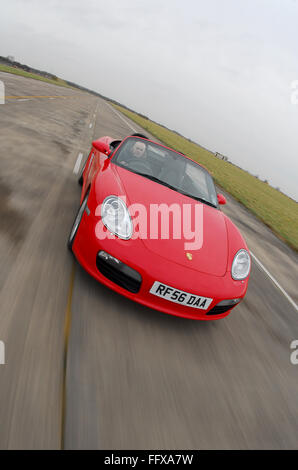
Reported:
(23, 73)
(275, 209)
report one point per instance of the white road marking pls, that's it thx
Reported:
(274, 281)
(78, 163)
(90, 125)
(121, 117)
(24, 99)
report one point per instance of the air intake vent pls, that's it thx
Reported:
(118, 272)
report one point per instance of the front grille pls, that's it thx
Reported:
(120, 273)
(218, 309)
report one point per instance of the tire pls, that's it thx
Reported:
(76, 223)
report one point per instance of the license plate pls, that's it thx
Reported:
(179, 296)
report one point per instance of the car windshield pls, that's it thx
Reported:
(166, 167)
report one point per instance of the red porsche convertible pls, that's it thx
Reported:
(150, 227)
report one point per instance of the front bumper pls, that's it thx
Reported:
(151, 268)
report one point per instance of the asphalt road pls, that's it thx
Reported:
(86, 368)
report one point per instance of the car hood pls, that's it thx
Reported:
(203, 243)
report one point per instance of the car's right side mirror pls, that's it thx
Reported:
(102, 147)
(221, 199)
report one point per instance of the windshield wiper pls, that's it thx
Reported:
(197, 198)
(157, 180)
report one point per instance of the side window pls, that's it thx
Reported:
(114, 144)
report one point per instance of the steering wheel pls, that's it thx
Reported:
(140, 165)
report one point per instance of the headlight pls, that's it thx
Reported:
(116, 218)
(241, 265)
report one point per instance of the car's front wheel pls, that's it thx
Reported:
(76, 223)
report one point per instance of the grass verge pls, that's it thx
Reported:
(275, 209)
(23, 73)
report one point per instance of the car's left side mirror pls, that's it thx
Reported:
(221, 199)
(102, 147)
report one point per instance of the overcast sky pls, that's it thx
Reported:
(218, 71)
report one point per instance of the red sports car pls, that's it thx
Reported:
(149, 227)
